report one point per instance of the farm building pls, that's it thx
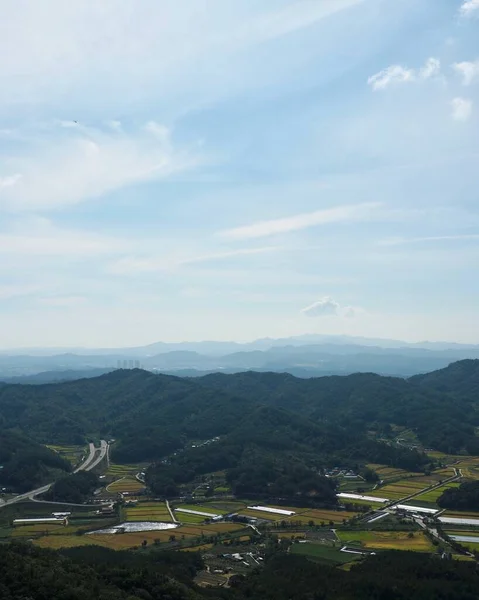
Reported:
(41, 521)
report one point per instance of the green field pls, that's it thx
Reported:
(148, 511)
(127, 485)
(432, 496)
(323, 553)
(387, 540)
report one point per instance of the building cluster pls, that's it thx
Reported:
(128, 364)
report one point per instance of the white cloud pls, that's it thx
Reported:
(355, 212)
(322, 308)
(64, 168)
(397, 74)
(469, 8)
(461, 109)
(144, 265)
(327, 307)
(468, 71)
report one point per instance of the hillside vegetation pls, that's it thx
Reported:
(266, 422)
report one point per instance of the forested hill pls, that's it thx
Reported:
(442, 419)
(460, 378)
(94, 573)
(152, 415)
(25, 464)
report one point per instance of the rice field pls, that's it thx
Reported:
(406, 487)
(126, 484)
(390, 473)
(305, 515)
(148, 511)
(461, 514)
(115, 470)
(432, 495)
(130, 540)
(470, 467)
(387, 540)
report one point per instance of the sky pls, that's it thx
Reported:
(230, 170)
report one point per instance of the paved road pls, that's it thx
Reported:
(87, 465)
(100, 457)
(87, 461)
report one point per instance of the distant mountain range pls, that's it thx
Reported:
(303, 356)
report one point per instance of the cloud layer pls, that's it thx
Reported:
(62, 168)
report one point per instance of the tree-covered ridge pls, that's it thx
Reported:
(76, 488)
(25, 464)
(93, 573)
(441, 420)
(464, 497)
(275, 453)
(459, 379)
(151, 416)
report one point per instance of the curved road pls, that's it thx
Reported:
(87, 465)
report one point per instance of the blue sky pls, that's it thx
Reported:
(212, 169)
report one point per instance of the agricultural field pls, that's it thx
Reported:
(470, 467)
(130, 540)
(148, 511)
(461, 514)
(126, 484)
(386, 473)
(73, 454)
(116, 471)
(322, 553)
(432, 495)
(387, 540)
(400, 489)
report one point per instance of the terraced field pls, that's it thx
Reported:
(126, 484)
(148, 511)
(387, 540)
(73, 454)
(390, 473)
(470, 467)
(117, 471)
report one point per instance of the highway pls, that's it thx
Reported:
(88, 460)
(87, 465)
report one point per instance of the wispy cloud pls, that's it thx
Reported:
(132, 265)
(467, 70)
(39, 237)
(8, 291)
(298, 15)
(398, 74)
(63, 168)
(461, 109)
(399, 241)
(469, 8)
(356, 212)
